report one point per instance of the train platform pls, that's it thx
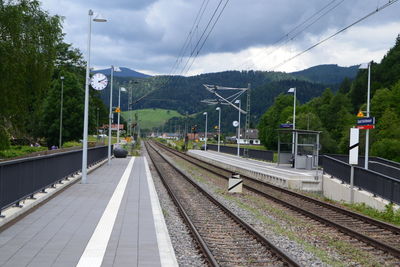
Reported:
(283, 175)
(115, 219)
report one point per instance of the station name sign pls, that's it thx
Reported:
(286, 125)
(366, 123)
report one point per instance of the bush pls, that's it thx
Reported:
(387, 148)
(17, 151)
(4, 139)
(71, 144)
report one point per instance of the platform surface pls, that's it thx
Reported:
(113, 220)
(283, 170)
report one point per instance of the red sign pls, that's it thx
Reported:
(365, 127)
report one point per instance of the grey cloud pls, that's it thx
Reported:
(148, 34)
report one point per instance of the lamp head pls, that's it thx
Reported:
(205, 113)
(292, 90)
(237, 101)
(123, 89)
(62, 77)
(99, 18)
(218, 108)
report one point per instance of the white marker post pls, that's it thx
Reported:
(353, 157)
(235, 183)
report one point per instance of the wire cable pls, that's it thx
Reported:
(336, 33)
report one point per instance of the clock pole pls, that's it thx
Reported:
(110, 117)
(86, 109)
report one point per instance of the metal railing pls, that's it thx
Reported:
(252, 153)
(368, 180)
(22, 178)
(381, 165)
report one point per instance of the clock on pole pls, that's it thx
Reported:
(99, 81)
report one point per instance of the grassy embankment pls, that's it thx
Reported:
(151, 118)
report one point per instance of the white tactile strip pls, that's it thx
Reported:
(95, 249)
(166, 251)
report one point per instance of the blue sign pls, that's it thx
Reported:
(286, 125)
(366, 121)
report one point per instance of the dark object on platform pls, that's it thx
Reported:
(120, 152)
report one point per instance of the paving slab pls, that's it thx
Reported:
(59, 232)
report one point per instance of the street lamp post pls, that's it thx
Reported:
(205, 135)
(219, 126)
(61, 110)
(238, 139)
(97, 125)
(119, 107)
(110, 118)
(293, 90)
(86, 108)
(367, 66)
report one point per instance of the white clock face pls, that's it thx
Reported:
(98, 81)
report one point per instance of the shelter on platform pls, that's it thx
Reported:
(299, 148)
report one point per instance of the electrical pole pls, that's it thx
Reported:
(247, 125)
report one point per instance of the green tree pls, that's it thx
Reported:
(29, 37)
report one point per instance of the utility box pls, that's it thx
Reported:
(235, 183)
(309, 162)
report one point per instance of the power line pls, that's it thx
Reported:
(204, 31)
(286, 35)
(219, 15)
(186, 43)
(338, 32)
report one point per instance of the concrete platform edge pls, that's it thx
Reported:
(47, 196)
(166, 250)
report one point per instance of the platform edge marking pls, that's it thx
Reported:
(165, 248)
(95, 249)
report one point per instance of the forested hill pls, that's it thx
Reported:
(334, 113)
(184, 94)
(328, 74)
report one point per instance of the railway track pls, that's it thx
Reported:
(224, 238)
(378, 234)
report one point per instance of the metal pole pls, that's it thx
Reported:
(294, 120)
(295, 150)
(97, 121)
(110, 117)
(352, 184)
(317, 159)
(86, 108)
(61, 110)
(238, 140)
(368, 110)
(119, 105)
(205, 137)
(219, 127)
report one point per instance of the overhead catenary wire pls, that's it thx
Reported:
(336, 33)
(205, 40)
(186, 44)
(291, 38)
(201, 37)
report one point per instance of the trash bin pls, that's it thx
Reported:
(119, 152)
(309, 164)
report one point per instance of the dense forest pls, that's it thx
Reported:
(34, 57)
(334, 113)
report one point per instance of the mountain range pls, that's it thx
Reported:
(125, 72)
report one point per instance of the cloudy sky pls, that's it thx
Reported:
(148, 35)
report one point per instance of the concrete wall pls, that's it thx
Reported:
(335, 190)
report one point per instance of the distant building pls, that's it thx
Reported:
(173, 136)
(251, 140)
(201, 136)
